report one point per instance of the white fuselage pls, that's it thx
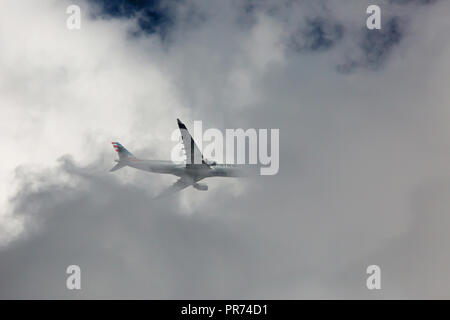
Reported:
(196, 172)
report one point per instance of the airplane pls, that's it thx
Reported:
(189, 173)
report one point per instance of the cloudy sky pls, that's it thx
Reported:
(364, 148)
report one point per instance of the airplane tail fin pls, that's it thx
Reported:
(123, 153)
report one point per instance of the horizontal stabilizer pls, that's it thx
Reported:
(118, 166)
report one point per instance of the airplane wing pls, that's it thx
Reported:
(193, 154)
(179, 185)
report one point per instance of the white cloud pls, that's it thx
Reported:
(354, 148)
(73, 92)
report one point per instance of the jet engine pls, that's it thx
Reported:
(200, 186)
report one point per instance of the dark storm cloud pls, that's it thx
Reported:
(318, 34)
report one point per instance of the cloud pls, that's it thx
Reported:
(151, 16)
(108, 227)
(376, 46)
(423, 2)
(357, 151)
(317, 35)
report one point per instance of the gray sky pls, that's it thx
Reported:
(364, 150)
